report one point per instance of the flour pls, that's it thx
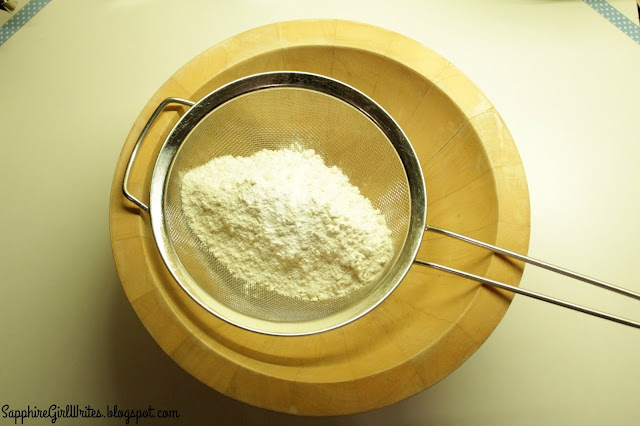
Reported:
(285, 221)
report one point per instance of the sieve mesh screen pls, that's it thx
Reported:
(275, 118)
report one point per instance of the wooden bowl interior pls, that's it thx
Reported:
(461, 195)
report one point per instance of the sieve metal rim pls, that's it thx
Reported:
(291, 79)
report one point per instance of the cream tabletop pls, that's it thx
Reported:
(75, 77)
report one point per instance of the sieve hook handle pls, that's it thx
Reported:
(530, 293)
(134, 153)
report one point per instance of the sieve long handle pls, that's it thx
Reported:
(530, 293)
(134, 153)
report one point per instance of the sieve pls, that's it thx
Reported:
(347, 129)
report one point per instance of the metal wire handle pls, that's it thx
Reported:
(134, 153)
(530, 293)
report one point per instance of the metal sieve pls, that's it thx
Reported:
(348, 130)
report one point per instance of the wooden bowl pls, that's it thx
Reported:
(434, 321)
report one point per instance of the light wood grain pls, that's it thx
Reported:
(433, 322)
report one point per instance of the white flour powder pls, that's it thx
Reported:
(285, 221)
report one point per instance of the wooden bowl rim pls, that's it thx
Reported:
(152, 300)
